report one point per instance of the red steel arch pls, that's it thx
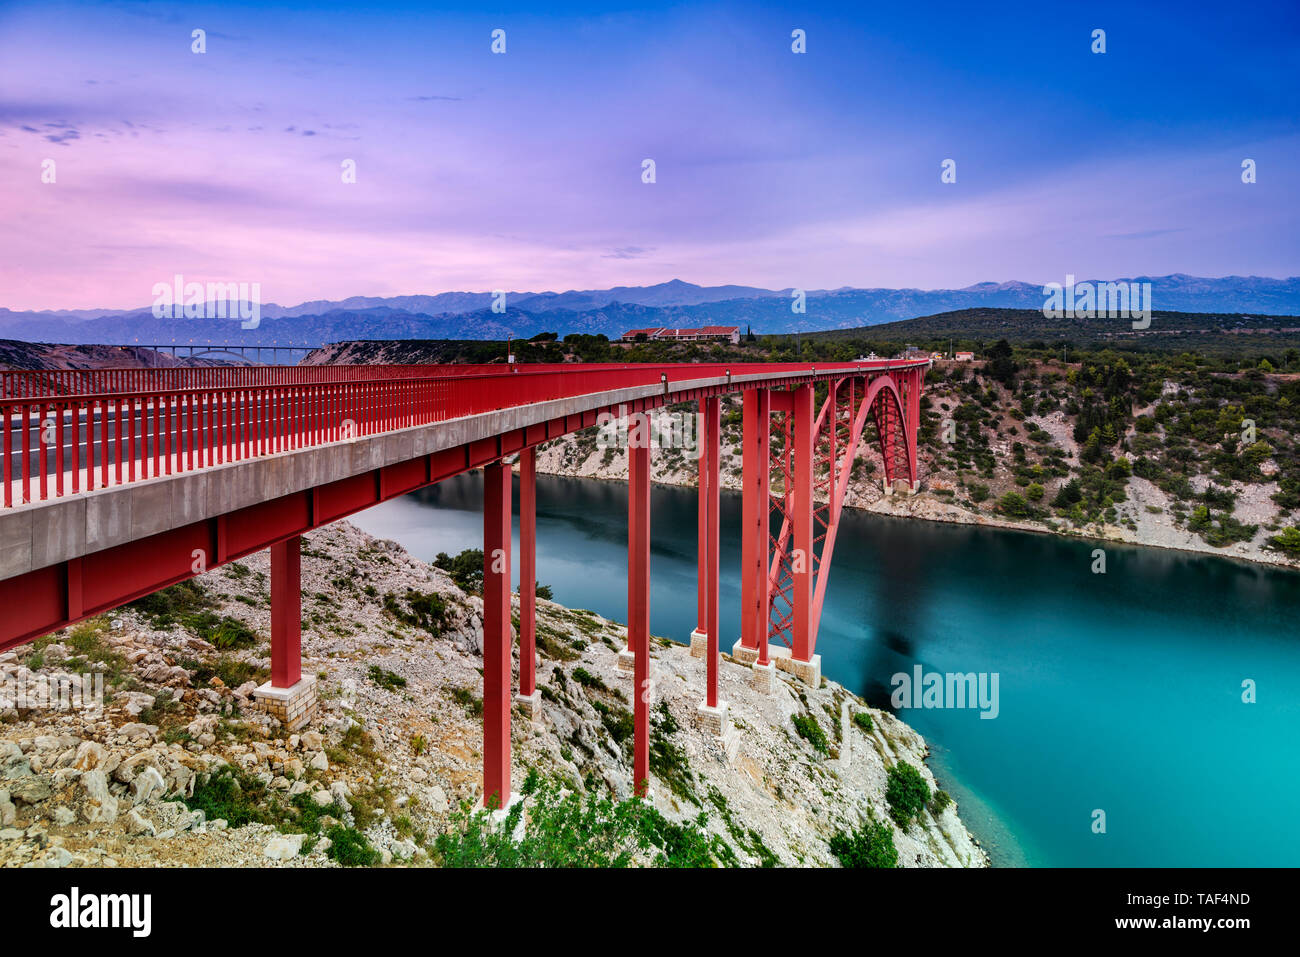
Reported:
(810, 465)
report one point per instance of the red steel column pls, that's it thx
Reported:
(496, 634)
(755, 598)
(702, 537)
(528, 571)
(286, 613)
(638, 592)
(710, 462)
(913, 423)
(802, 473)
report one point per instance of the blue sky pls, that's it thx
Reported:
(523, 170)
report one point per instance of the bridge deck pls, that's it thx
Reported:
(70, 554)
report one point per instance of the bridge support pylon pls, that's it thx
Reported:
(755, 546)
(529, 698)
(289, 696)
(638, 595)
(712, 713)
(496, 635)
(802, 662)
(700, 635)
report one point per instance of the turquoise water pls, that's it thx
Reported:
(1119, 692)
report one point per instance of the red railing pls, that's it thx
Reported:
(49, 383)
(63, 444)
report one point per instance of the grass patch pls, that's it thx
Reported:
(472, 704)
(174, 604)
(87, 646)
(619, 722)
(230, 670)
(388, 680)
(668, 761)
(353, 748)
(425, 611)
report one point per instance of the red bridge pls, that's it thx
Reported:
(117, 483)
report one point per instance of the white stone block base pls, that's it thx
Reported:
(626, 663)
(763, 679)
(294, 706)
(715, 721)
(531, 706)
(809, 672)
(699, 644)
(746, 656)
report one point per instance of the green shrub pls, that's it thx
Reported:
(588, 680)
(350, 848)
(939, 802)
(224, 632)
(1014, 505)
(170, 605)
(574, 830)
(428, 612)
(906, 793)
(863, 721)
(232, 794)
(1286, 541)
(811, 732)
(869, 845)
(232, 671)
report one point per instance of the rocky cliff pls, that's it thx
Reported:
(178, 768)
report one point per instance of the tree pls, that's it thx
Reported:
(465, 569)
(1014, 505)
(1001, 366)
(1068, 494)
(1286, 541)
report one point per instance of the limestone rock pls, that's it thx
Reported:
(147, 785)
(138, 701)
(100, 806)
(284, 847)
(90, 755)
(137, 824)
(30, 790)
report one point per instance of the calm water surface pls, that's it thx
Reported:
(1119, 692)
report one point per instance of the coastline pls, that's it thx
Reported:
(926, 506)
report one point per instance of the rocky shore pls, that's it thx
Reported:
(178, 768)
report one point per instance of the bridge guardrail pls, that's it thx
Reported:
(65, 444)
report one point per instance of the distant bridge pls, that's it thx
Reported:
(250, 352)
(120, 482)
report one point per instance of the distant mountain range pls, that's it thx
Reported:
(469, 315)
